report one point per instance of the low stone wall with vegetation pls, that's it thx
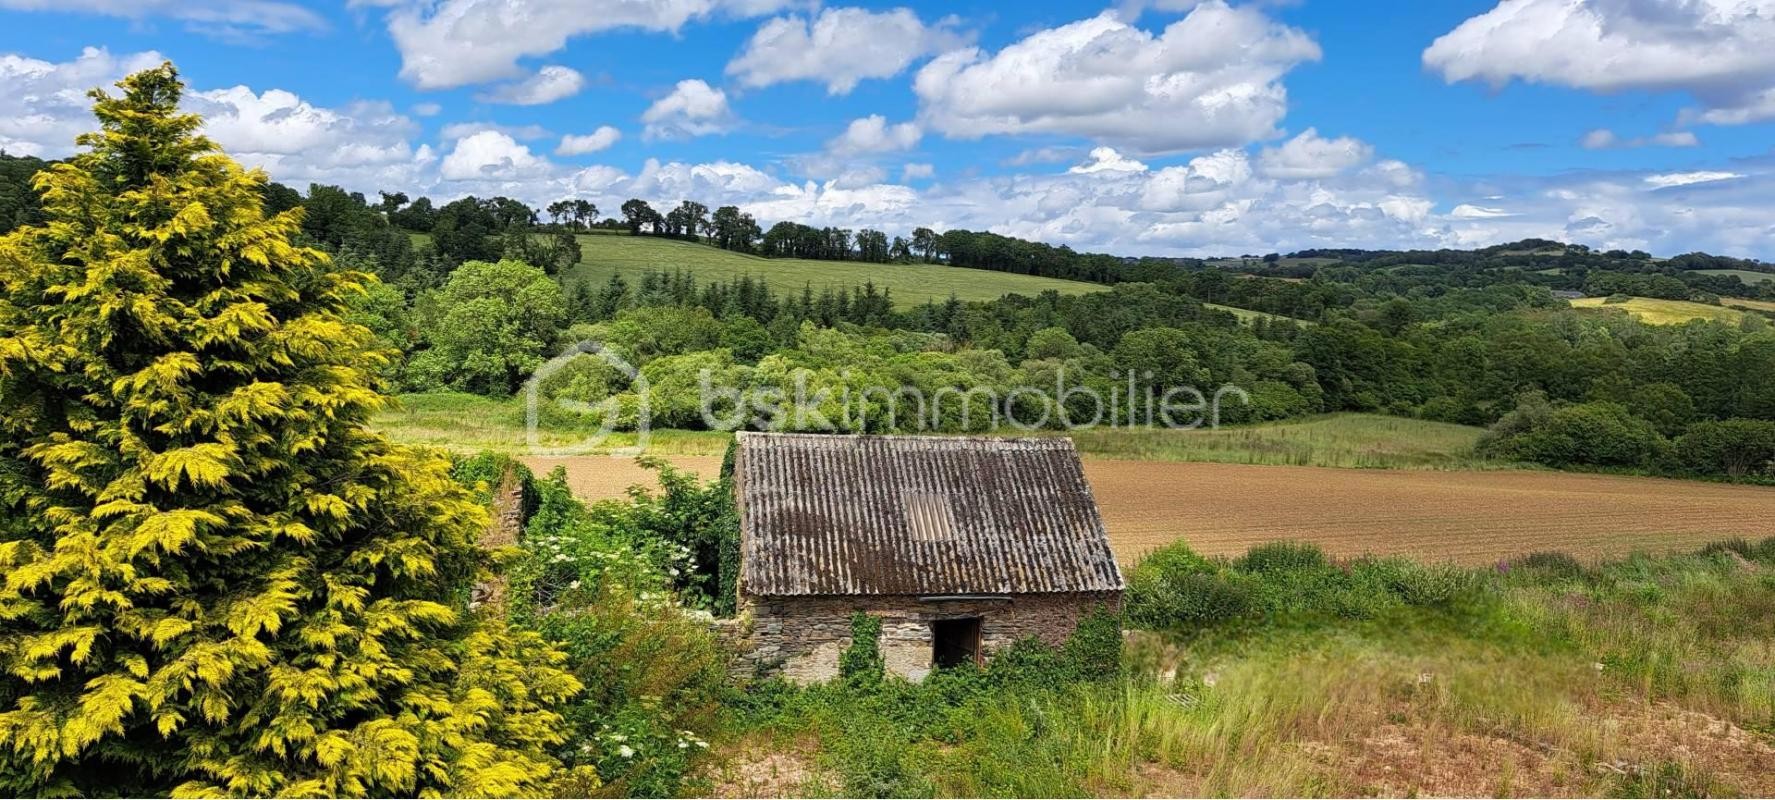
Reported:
(801, 638)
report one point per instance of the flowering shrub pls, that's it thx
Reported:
(603, 587)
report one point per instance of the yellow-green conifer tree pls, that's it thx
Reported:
(215, 579)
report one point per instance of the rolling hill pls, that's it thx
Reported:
(910, 284)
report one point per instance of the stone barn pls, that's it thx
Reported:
(960, 545)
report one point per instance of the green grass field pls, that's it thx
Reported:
(911, 284)
(1665, 312)
(1755, 305)
(466, 424)
(1247, 316)
(1747, 276)
(1332, 440)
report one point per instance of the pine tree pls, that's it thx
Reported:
(216, 580)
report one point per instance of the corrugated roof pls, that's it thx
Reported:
(917, 515)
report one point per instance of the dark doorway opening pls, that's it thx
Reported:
(955, 642)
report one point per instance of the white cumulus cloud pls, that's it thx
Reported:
(1210, 79)
(43, 104)
(600, 139)
(365, 145)
(694, 108)
(873, 134)
(491, 156)
(448, 43)
(551, 83)
(840, 47)
(1716, 50)
(1106, 159)
(228, 19)
(1310, 155)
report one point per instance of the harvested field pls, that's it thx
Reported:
(1471, 517)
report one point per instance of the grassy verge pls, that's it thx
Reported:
(465, 423)
(1333, 440)
(1641, 677)
(468, 424)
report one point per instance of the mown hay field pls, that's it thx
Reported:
(910, 284)
(1754, 305)
(1654, 311)
(1465, 516)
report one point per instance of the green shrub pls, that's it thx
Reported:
(600, 589)
(1094, 651)
(1434, 586)
(1286, 583)
(1737, 546)
(482, 473)
(1282, 557)
(1551, 564)
(1734, 447)
(861, 663)
(1187, 600)
(1588, 434)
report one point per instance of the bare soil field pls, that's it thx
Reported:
(1472, 517)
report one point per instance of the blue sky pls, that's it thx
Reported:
(1168, 127)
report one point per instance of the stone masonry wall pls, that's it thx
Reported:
(801, 637)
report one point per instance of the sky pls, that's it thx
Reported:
(1143, 127)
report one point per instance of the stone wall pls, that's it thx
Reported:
(503, 530)
(801, 637)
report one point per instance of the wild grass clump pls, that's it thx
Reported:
(1554, 565)
(1285, 583)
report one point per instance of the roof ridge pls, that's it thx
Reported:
(1058, 442)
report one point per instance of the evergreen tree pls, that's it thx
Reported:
(216, 579)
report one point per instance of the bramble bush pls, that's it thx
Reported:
(603, 588)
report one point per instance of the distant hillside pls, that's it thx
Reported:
(910, 284)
